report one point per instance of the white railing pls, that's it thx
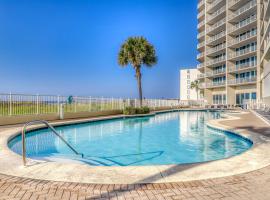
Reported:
(216, 60)
(244, 37)
(242, 80)
(242, 66)
(215, 14)
(200, 55)
(200, 4)
(200, 35)
(22, 104)
(216, 37)
(243, 52)
(215, 49)
(257, 104)
(243, 23)
(213, 4)
(217, 25)
(243, 9)
(200, 45)
(201, 24)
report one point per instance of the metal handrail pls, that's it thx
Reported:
(52, 129)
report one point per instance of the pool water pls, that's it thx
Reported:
(168, 138)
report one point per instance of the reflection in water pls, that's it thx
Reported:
(168, 138)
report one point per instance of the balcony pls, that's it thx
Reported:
(216, 50)
(247, 38)
(200, 4)
(215, 16)
(215, 73)
(216, 61)
(241, 68)
(242, 53)
(201, 25)
(200, 35)
(200, 66)
(200, 14)
(217, 38)
(214, 5)
(215, 84)
(235, 4)
(246, 25)
(200, 45)
(242, 81)
(200, 56)
(244, 11)
(217, 27)
(201, 76)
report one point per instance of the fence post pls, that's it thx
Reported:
(89, 106)
(75, 106)
(10, 104)
(37, 104)
(58, 105)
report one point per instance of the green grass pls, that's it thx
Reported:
(32, 108)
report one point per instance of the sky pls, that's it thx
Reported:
(70, 47)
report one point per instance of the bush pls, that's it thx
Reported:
(129, 111)
(143, 110)
(133, 111)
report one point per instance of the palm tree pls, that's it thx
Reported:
(195, 85)
(137, 51)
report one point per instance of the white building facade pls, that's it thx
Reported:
(187, 76)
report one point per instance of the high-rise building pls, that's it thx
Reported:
(265, 50)
(187, 76)
(229, 33)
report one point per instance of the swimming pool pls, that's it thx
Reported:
(167, 138)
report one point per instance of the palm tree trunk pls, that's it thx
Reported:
(139, 81)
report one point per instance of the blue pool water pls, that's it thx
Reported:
(168, 138)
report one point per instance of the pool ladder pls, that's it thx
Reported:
(52, 129)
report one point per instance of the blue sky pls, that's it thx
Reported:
(70, 47)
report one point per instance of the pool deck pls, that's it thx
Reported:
(246, 176)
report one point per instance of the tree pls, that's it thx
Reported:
(195, 85)
(137, 51)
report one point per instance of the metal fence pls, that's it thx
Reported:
(22, 104)
(256, 105)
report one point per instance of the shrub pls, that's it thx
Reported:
(133, 111)
(129, 111)
(143, 110)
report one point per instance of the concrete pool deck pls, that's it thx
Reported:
(245, 124)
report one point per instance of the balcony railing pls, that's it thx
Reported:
(201, 65)
(242, 80)
(213, 4)
(215, 14)
(200, 14)
(200, 55)
(243, 9)
(216, 49)
(243, 24)
(201, 24)
(215, 72)
(216, 37)
(242, 66)
(242, 52)
(217, 25)
(200, 4)
(243, 38)
(216, 60)
(215, 84)
(200, 35)
(201, 76)
(200, 45)
(233, 2)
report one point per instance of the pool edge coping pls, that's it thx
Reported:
(141, 174)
